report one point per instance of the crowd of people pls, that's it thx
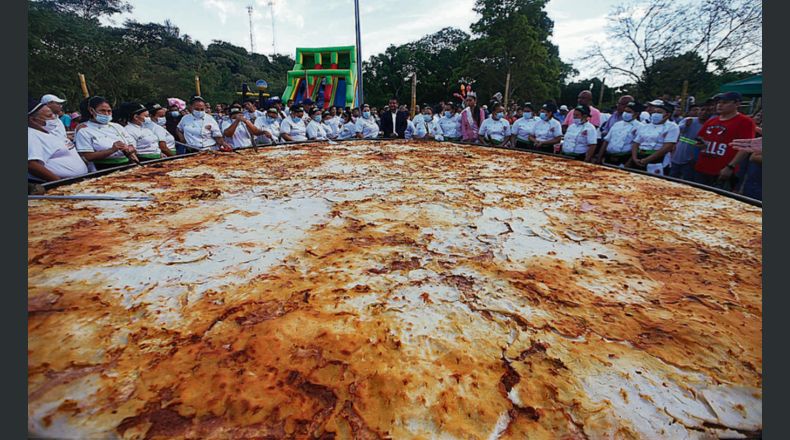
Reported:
(710, 143)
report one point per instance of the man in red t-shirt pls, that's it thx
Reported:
(718, 160)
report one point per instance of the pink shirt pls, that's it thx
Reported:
(595, 117)
(468, 127)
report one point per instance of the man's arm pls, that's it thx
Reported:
(38, 169)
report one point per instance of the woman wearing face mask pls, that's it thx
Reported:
(654, 142)
(450, 123)
(496, 129)
(347, 128)
(138, 125)
(471, 119)
(581, 138)
(268, 127)
(547, 130)
(293, 128)
(167, 143)
(237, 129)
(328, 122)
(366, 126)
(101, 141)
(172, 118)
(523, 128)
(616, 147)
(200, 131)
(50, 157)
(315, 128)
(426, 127)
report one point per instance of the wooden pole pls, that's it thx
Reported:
(84, 86)
(413, 95)
(507, 89)
(600, 96)
(683, 94)
(197, 85)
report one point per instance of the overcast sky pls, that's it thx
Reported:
(315, 23)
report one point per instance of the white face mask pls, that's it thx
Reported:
(161, 121)
(51, 125)
(147, 120)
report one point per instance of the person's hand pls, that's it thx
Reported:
(225, 147)
(750, 145)
(118, 146)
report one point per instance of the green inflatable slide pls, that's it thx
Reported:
(330, 80)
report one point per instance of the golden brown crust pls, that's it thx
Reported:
(393, 290)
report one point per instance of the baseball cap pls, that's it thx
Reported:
(297, 108)
(729, 96)
(234, 111)
(564, 107)
(308, 101)
(528, 105)
(46, 99)
(549, 107)
(33, 106)
(271, 110)
(662, 104)
(635, 106)
(585, 110)
(196, 98)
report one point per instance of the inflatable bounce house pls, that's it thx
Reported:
(330, 79)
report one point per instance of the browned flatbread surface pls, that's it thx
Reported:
(393, 290)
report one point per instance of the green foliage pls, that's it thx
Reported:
(136, 62)
(435, 59)
(511, 36)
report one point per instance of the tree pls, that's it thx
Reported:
(435, 59)
(726, 34)
(136, 62)
(513, 38)
(89, 9)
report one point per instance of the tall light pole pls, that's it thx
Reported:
(360, 95)
(252, 40)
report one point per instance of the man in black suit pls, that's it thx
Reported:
(393, 122)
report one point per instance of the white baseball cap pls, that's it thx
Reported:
(46, 99)
(564, 107)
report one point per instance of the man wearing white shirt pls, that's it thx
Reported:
(199, 130)
(269, 127)
(56, 105)
(49, 157)
(238, 130)
(293, 128)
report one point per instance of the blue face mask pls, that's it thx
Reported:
(628, 117)
(527, 115)
(174, 114)
(103, 119)
(427, 118)
(656, 118)
(198, 114)
(366, 115)
(500, 115)
(544, 116)
(296, 118)
(317, 118)
(577, 121)
(448, 114)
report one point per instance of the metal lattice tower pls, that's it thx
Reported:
(271, 9)
(252, 40)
